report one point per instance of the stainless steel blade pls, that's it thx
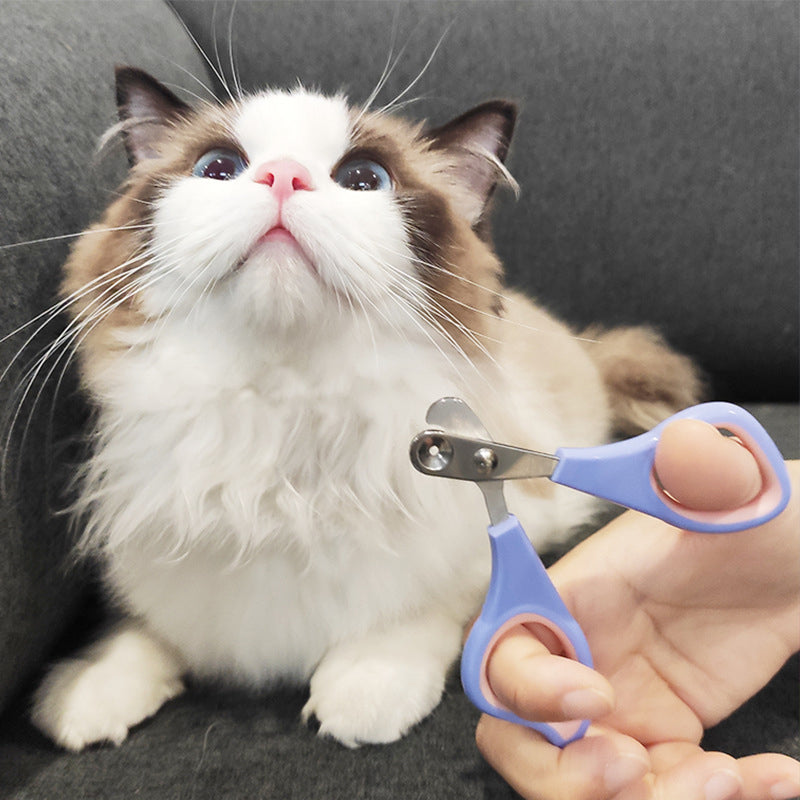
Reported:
(453, 415)
(466, 458)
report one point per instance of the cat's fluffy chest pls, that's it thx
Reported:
(242, 427)
(257, 510)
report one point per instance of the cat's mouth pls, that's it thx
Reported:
(281, 235)
(279, 242)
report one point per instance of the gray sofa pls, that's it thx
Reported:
(657, 154)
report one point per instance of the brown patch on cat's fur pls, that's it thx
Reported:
(645, 379)
(460, 270)
(92, 274)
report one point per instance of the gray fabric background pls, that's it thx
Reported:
(56, 99)
(657, 151)
(656, 147)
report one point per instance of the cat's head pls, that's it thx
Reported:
(287, 208)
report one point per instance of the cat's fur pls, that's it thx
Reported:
(249, 492)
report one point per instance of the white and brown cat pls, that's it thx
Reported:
(264, 315)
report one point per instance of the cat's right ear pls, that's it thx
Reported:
(477, 143)
(146, 109)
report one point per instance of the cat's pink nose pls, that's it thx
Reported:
(284, 177)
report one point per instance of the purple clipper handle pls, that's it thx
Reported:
(623, 473)
(520, 592)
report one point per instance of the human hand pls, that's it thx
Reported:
(683, 629)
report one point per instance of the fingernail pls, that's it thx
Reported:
(586, 704)
(784, 790)
(624, 771)
(723, 785)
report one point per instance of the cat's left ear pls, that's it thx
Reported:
(146, 109)
(477, 145)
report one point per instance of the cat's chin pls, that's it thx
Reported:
(278, 287)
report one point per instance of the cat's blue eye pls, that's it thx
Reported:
(219, 165)
(362, 175)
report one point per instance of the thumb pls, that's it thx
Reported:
(703, 470)
(542, 687)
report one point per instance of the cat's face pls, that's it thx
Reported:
(288, 209)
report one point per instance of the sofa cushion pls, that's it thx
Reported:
(56, 99)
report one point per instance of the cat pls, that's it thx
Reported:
(262, 317)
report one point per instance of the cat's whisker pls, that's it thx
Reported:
(418, 294)
(203, 85)
(410, 101)
(211, 94)
(413, 316)
(360, 298)
(205, 292)
(181, 290)
(216, 72)
(162, 259)
(347, 297)
(64, 236)
(506, 299)
(426, 290)
(434, 316)
(114, 193)
(417, 289)
(184, 90)
(419, 316)
(473, 335)
(439, 311)
(502, 318)
(114, 277)
(345, 292)
(120, 291)
(450, 273)
(409, 303)
(186, 285)
(145, 272)
(237, 84)
(426, 321)
(383, 314)
(215, 42)
(351, 286)
(338, 296)
(67, 343)
(399, 302)
(52, 311)
(96, 306)
(20, 397)
(390, 105)
(388, 69)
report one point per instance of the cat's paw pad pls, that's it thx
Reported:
(82, 702)
(371, 700)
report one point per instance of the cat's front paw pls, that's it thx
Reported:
(98, 698)
(370, 698)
